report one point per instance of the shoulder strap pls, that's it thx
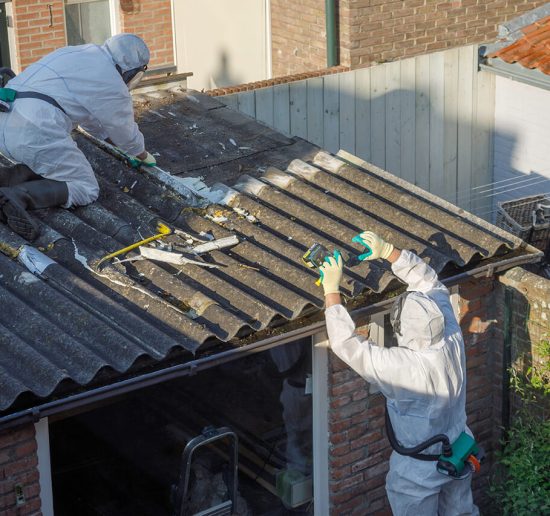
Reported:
(39, 96)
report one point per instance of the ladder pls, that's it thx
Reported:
(181, 490)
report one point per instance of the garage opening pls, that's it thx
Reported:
(168, 449)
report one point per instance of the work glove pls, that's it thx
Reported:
(331, 273)
(149, 160)
(379, 247)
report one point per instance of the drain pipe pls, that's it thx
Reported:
(332, 47)
(82, 399)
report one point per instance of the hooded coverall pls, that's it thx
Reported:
(423, 380)
(86, 84)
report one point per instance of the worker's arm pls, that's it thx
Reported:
(407, 266)
(393, 370)
(416, 273)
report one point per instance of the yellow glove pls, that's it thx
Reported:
(331, 274)
(379, 247)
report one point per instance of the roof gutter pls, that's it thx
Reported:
(32, 415)
(516, 72)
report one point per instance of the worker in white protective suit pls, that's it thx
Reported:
(293, 365)
(86, 85)
(423, 378)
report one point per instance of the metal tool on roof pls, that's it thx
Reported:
(163, 231)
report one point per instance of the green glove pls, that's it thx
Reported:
(331, 273)
(149, 160)
(379, 247)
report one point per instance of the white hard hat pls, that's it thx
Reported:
(128, 51)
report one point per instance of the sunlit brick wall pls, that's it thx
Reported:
(152, 20)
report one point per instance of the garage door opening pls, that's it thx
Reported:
(127, 457)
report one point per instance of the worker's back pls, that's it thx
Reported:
(82, 79)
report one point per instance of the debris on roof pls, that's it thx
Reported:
(242, 215)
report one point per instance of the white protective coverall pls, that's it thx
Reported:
(423, 380)
(84, 81)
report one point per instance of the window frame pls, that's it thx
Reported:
(114, 15)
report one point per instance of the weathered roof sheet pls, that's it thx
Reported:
(75, 326)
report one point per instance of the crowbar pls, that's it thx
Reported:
(163, 231)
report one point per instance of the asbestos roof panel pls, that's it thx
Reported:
(74, 326)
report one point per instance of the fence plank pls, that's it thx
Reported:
(425, 118)
(298, 109)
(467, 69)
(315, 111)
(264, 106)
(347, 112)
(331, 121)
(247, 103)
(408, 87)
(231, 101)
(482, 170)
(393, 118)
(422, 122)
(281, 108)
(378, 116)
(451, 125)
(362, 114)
(437, 125)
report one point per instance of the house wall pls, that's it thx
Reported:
(38, 33)
(522, 125)
(219, 53)
(358, 447)
(19, 467)
(427, 119)
(152, 20)
(374, 31)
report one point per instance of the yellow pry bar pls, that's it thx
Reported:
(163, 231)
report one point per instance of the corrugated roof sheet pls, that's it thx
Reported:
(74, 326)
(531, 48)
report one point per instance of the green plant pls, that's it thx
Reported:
(521, 485)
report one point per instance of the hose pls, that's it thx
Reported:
(414, 452)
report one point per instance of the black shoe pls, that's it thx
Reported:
(17, 174)
(32, 195)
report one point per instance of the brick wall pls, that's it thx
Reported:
(383, 30)
(37, 33)
(152, 20)
(19, 466)
(359, 449)
(298, 35)
(39, 28)
(528, 314)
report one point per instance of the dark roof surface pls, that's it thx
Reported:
(73, 327)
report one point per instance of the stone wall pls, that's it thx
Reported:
(526, 308)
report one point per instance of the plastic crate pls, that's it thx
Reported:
(528, 218)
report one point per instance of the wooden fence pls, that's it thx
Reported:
(427, 119)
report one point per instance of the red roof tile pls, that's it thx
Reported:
(532, 50)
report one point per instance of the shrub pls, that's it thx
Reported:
(521, 485)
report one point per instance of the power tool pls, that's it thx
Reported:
(317, 254)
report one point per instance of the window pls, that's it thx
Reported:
(88, 21)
